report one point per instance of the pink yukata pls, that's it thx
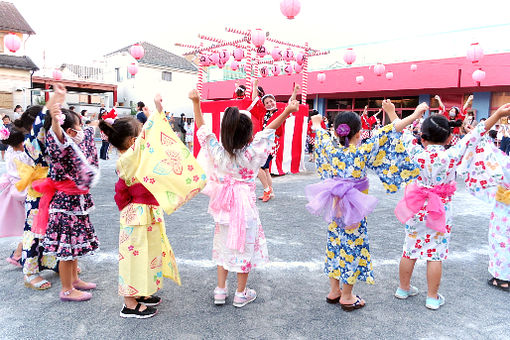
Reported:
(239, 243)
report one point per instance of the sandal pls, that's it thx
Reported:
(333, 301)
(38, 285)
(497, 283)
(352, 306)
(14, 261)
(65, 296)
(81, 285)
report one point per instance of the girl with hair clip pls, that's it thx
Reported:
(156, 173)
(426, 207)
(65, 204)
(239, 243)
(455, 115)
(12, 199)
(342, 195)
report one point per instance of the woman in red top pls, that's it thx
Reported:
(454, 114)
(367, 123)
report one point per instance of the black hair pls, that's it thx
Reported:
(28, 117)
(493, 134)
(83, 112)
(437, 128)
(313, 113)
(71, 120)
(71, 108)
(120, 131)
(236, 130)
(241, 90)
(6, 116)
(16, 137)
(17, 107)
(352, 120)
(140, 105)
(261, 91)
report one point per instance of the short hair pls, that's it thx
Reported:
(141, 105)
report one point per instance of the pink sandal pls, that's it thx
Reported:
(14, 261)
(65, 296)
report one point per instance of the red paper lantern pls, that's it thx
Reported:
(261, 51)
(288, 69)
(238, 54)
(264, 71)
(474, 53)
(234, 65)
(57, 74)
(288, 55)
(389, 75)
(12, 42)
(290, 8)
(276, 54)
(300, 58)
(276, 69)
(478, 76)
(258, 37)
(133, 69)
(360, 79)
(224, 56)
(349, 56)
(214, 58)
(414, 67)
(137, 51)
(321, 77)
(298, 68)
(379, 69)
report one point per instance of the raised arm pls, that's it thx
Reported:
(441, 105)
(503, 111)
(400, 124)
(389, 108)
(195, 98)
(56, 101)
(467, 103)
(255, 90)
(292, 107)
(294, 93)
(158, 101)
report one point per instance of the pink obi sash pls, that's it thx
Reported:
(48, 187)
(136, 193)
(231, 196)
(414, 199)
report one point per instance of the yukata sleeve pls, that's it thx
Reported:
(386, 155)
(324, 149)
(467, 144)
(261, 147)
(90, 145)
(35, 140)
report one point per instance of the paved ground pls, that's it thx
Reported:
(291, 291)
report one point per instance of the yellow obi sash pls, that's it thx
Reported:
(27, 175)
(503, 195)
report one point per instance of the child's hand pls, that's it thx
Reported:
(436, 97)
(293, 106)
(194, 96)
(316, 120)
(60, 93)
(470, 98)
(388, 106)
(146, 111)
(296, 88)
(421, 109)
(504, 110)
(158, 99)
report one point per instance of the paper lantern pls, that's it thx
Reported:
(288, 69)
(137, 51)
(298, 68)
(234, 65)
(288, 55)
(349, 56)
(238, 54)
(220, 64)
(276, 53)
(300, 58)
(290, 8)
(478, 76)
(474, 53)
(214, 58)
(360, 79)
(204, 60)
(57, 74)
(132, 69)
(258, 37)
(414, 67)
(276, 69)
(12, 42)
(224, 56)
(261, 52)
(389, 75)
(264, 71)
(321, 77)
(379, 69)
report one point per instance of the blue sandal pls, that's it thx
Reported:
(352, 306)
(12, 260)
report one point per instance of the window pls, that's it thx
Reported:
(166, 76)
(83, 98)
(498, 99)
(339, 104)
(117, 74)
(360, 103)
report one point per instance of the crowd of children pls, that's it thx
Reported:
(52, 164)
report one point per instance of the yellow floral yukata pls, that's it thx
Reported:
(163, 164)
(348, 253)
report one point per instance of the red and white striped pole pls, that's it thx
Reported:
(249, 78)
(304, 78)
(201, 75)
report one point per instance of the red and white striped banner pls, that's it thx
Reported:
(290, 157)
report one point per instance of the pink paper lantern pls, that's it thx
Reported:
(349, 56)
(298, 68)
(360, 79)
(264, 71)
(234, 65)
(238, 54)
(276, 69)
(57, 74)
(389, 75)
(478, 76)
(300, 58)
(321, 77)
(133, 69)
(261, 52)
(414, 67)
(12, 42)
(214, 58)
(290, 8)
(203, 60)
(224, 56)
(276, 53)
(288, 55)
(137, 51)
(288, 69)
(474, 53)
(379, 69)
(258, 37)
(221, 64)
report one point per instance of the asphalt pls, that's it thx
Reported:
(291, 290)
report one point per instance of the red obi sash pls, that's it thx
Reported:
(136, 193)
(48, 187)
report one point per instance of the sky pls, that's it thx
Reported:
(394, 30)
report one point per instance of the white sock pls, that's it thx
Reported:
(267, 189)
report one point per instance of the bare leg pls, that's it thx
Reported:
(262, 177)
(347, 296)
(242, 278)
(405, 271)
(222, 276)
(18, 251)
(268, 178)
(66, 269)
(434, 272)
(335, 290)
